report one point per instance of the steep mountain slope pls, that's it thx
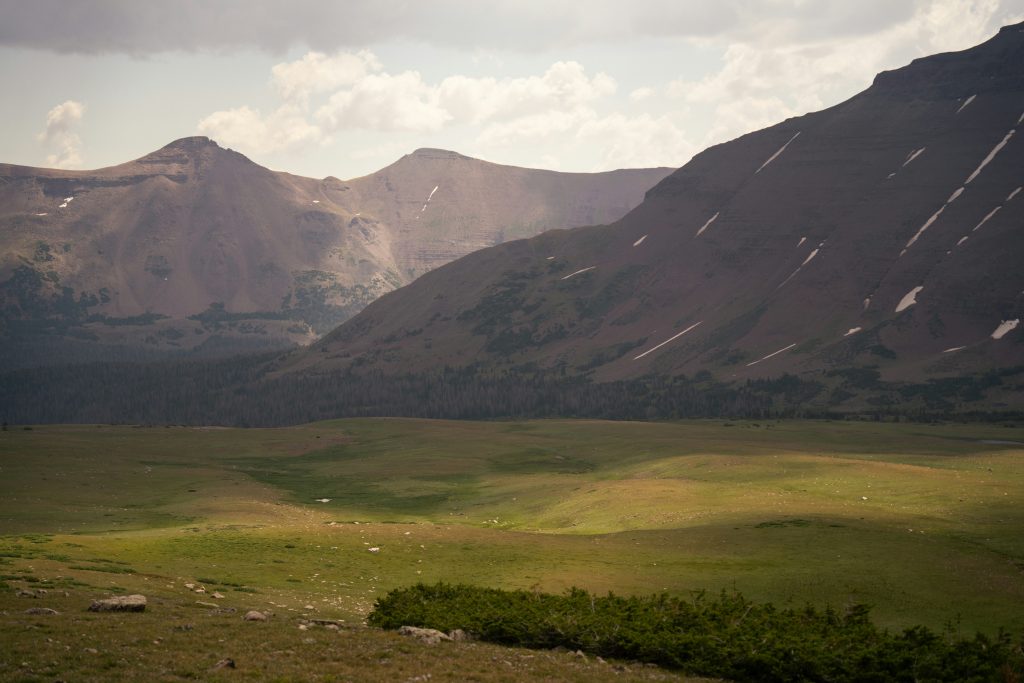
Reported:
(881, 237)
(196, 247)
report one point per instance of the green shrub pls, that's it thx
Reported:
(727, 636)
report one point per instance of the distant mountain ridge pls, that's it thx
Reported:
(196, 248)
(879, 239)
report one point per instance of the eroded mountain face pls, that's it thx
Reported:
(194, 247)
(883, 234)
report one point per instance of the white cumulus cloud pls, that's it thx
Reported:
(250, 131)
(317, 72)
(60, 136)
(763, 81)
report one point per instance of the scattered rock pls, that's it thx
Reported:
(27, 594)
(184, 627)
(190, 586)
(41, 610)
(200, 590)
(374, 550)
(120, 603)
(253, 615)
(329, 623)
(579, 655)
(92, 650)
(224, 610)
(459, 636)
(309, 607)
(430, 636)
(303, 627)
(212, 605)
(226, 663)
(217, 596)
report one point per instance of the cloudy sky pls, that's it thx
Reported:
(319, 87)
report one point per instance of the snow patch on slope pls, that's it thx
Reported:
(852, 330)
(770, 355)
(909, 299)
(705, 226)
(774, 156)
(581, 270)
(639, 241)
(991, 155)
(913, 155)
(1005, 327)
(672, 338)
(962, 106)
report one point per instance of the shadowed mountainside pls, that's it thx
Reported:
(195, 247)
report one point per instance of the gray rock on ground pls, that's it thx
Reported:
(430, 636)
(41, 610)
(253, 615)
(120, 603)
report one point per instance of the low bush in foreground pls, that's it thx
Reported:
(727, 636)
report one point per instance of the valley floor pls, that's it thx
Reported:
(315, 522)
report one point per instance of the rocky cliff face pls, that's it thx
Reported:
(195, 248)
(881, 235)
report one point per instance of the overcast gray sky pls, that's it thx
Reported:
(343, 88)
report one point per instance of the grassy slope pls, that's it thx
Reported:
(920, 521)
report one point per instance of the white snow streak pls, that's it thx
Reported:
(1020, 120)
(852, 330)
(1004, 327)
(913, 155)
(953, 197)
(42, 214)
(969, 100)
(890, 176)
(68, 199)
(1013, 194)
(672, 338)
(705, 226)
(962, 240)
(63, 206)
(582, 270)
(806, 261)
(551, 258)
(984, 220)
(954, 349)
(991, 156)
(428, 198)
(909, 299)
(800, 243)
(867, 302)
(770, 355)
(774, 156)
(316, 201)
(639, 241)
(924, 227)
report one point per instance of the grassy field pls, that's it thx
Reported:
(923, 522)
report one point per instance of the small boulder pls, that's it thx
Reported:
(120, 603)
(253, 615)
(217, 596)
(226, 663)
(41, 610)
(430, 636)
(459, 636)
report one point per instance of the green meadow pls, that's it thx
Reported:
(922, 522)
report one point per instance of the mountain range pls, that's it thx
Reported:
(877, 240)
(864, 259)
(195, 248)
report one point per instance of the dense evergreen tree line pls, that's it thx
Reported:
(245, 391)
